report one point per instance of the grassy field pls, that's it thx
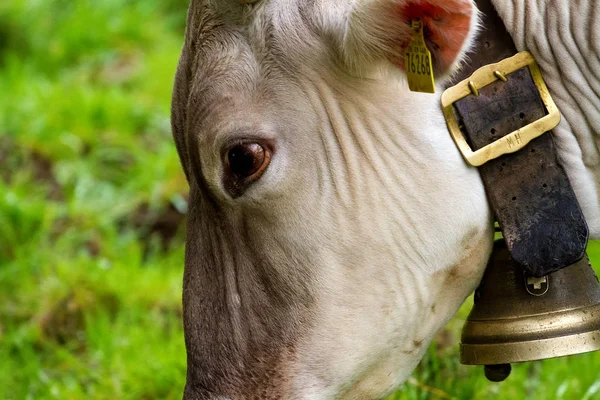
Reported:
(92, 207)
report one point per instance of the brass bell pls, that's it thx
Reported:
(518, 318)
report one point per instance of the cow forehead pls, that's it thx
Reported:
(229, 45)
(242, 60)
(270, 29)
(229, 20)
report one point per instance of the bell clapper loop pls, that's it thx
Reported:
(537, 286)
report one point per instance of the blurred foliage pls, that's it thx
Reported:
(92, 204)
(92, 200)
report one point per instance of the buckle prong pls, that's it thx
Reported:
(514, 141)
(500, 76)
(473, 88)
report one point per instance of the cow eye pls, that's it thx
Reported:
(245, 163)
(246, 160)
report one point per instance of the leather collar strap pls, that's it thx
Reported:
(529, 191)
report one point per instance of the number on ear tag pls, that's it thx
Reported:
(419, 70)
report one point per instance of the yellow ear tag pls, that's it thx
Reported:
(417, 61)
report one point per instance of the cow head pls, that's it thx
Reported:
(333, 226)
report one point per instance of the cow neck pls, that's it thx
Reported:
(529, 191)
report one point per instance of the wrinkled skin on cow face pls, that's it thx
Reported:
(325, 272)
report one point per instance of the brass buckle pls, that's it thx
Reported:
(514, 141)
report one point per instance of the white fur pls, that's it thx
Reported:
(402, 234)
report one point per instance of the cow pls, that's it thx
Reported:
(333, 225)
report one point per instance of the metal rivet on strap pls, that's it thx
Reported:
(500, 76)
(473, 88)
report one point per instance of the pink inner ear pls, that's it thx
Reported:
(446, 27)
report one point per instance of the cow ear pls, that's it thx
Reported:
(380, 30)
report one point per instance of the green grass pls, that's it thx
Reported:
(91, 212)
(90, 305)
